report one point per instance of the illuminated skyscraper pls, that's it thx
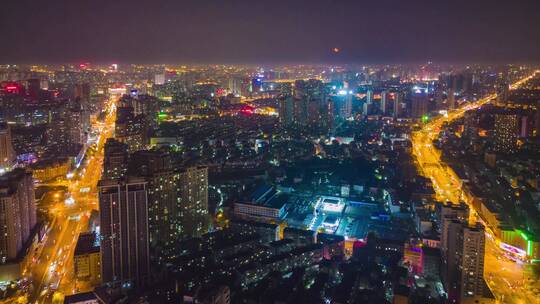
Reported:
(369, 97)
(537, 120)
(451, 99)
(450, 211)
(33, 87)
(115, 160)
(193, 182)
(398, 99)
(384, 102)
(472, 249)
(17, 212)
(163, 194)
(177, 197)
(130, 129)
(343, 105)
(286, 110)
(159, 79)
(7, 154)
(462, 250)
(125, 256)
(309, 102)
(84, 105)
(506, 133)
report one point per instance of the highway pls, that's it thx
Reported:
(52, 273)
(509, 281)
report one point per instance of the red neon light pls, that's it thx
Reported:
(248, 110)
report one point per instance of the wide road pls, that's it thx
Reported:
(509, 281)
(52, 272)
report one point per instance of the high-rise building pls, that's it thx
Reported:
(525, 128)
(130, 129)
(343, 105)
(82, 92)
(115, 162)
(462, 251)
(451, 229)
(537, 120)
(286, 110)
(398, 99)
(384, 102)
(163, 194)
(506, 133)
(369, 97)
(82, 104)
(17, 212)
(33, 87)
(309, 102)
(125, 257)
(177, 197)
(451, 211)
(159, 79)
(472, 261)
(451, 99)
(7, 154)
(194, 201)
(76, 130)
(419, 105)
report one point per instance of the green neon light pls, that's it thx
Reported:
(529, 248)
(425, 118)
(524, 236)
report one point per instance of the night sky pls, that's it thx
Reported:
(293, 31)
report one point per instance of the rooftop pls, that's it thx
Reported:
(87, 243)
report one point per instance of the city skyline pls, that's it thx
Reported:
(302, 151)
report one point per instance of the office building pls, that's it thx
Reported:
(124, 232)
(17, 213)
(506, 133)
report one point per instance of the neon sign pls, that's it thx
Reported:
(513, 249)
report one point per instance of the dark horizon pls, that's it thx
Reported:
(243, 32)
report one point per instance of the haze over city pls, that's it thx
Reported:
(270, 152)
(254, 32)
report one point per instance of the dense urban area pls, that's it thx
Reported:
(218, 184)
